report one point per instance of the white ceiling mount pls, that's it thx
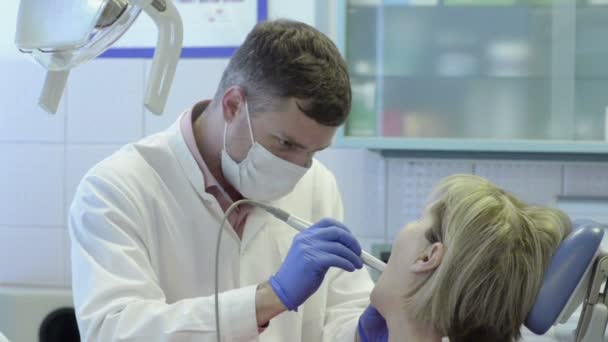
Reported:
(62, 34)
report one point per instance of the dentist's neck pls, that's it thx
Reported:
(209, 135)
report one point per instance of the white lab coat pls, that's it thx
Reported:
(143, 233)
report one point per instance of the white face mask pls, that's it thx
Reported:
(261, 175)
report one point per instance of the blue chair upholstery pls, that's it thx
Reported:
(565, 282)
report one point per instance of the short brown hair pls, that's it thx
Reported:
(497, 250)
(283, 59)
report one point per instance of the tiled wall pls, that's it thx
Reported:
(381, 195)
(43, 157)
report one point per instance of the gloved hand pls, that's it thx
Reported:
(372, 326)
(325, 244)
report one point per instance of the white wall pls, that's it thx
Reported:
(43, 157)
(8, 13)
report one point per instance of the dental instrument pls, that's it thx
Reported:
(293, 221)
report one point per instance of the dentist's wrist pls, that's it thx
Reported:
(267, 304)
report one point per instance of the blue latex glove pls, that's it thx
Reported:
(372, 326)
(325, 244)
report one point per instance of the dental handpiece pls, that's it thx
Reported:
(301, 224)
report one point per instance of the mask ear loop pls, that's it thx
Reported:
(249, 122)
(225, 127)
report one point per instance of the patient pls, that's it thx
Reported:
(470, 268)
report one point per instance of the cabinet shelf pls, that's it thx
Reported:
(429, 78)
(443, 5)
(476, 77)
(474, 145)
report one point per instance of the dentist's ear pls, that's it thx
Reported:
(430, 259)
(232, 101)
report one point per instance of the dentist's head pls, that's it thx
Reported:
(280, 100)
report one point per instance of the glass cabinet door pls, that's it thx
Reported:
(478, 69)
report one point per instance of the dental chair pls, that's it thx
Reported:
(576, 275)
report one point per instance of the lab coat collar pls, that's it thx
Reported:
(186, 160)
(256, 220)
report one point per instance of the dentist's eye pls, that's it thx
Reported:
(286, 144)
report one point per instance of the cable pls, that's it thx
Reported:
(217, 256)
(282, 215)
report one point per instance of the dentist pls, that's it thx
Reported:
(143, 222)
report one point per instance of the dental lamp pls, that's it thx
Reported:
(61, 34)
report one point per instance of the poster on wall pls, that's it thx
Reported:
(212, 29)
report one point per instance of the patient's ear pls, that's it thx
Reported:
(430, 259)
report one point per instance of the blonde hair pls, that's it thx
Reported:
(496, 251)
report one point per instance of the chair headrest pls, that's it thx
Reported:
(565, 281)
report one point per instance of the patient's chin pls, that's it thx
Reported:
(388, 294)
(374, 297)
